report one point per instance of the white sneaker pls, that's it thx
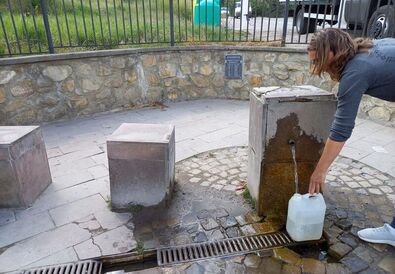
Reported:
(379, 235)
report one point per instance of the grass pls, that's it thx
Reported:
(248, 198)
(107, 23)
(140, 248)
(108, 202)
(134, 208)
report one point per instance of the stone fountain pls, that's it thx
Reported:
(279, 116)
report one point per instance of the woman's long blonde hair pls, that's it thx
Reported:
(343, 47)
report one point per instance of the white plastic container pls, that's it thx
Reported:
(306, 214)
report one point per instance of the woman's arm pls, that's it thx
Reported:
(331, 151)
(353, 84)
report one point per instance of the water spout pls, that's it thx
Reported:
(292, 143)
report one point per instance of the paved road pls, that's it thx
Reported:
(71, 219)
(268, 29)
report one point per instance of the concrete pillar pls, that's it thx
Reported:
(24, 169)
(245, 8)
(141, 160)
(303, 114)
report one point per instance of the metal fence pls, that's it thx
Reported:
(49, 26)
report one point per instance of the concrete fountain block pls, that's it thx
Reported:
(141, 161)
(24, 169)
(277, 115)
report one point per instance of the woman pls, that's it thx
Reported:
(361, 66)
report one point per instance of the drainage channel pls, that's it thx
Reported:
(222, 248)
(167, 256)
(83, 267)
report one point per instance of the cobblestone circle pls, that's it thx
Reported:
(208, 205)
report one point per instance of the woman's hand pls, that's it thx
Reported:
(317, 181)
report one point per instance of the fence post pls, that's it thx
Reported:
(285, 25)
(44, 12)
(171, 23)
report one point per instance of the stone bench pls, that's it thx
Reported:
(141, 160)
(24, 169)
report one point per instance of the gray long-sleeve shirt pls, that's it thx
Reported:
(371, 73)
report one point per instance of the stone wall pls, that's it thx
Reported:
(45, 88)
(377, 110)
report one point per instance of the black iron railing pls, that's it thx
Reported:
(49, 26)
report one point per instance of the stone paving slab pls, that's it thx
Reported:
(76, 210)
(25, 228)
(71, 179)
(109, 220)
(54, 199)
(40, 247)
(77, 156)
(87, 249)
(64, 256)
(6, 216)
(115, 241)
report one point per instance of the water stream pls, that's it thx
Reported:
(295, 166)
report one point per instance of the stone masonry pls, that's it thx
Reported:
(48, 88)
(51, 87)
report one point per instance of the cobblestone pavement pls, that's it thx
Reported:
(208, 206)
(71, 220)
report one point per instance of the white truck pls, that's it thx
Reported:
(374, 18)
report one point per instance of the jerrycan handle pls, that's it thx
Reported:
(308, 195)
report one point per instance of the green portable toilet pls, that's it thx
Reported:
(207, 12)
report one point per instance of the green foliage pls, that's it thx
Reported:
(108, 202)
(268, 8)
(79, 26)
(248, 198)
(133, 208)
(19, 6)
(140, 248)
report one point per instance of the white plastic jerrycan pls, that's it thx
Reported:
(306, 214)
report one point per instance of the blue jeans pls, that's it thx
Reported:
(393, 222)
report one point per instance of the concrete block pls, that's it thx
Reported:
(277, 115)
(24, 169)
(141, 161)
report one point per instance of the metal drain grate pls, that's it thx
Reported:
(220, 248)
(84, 267)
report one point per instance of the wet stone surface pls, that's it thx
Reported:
(204, 209)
